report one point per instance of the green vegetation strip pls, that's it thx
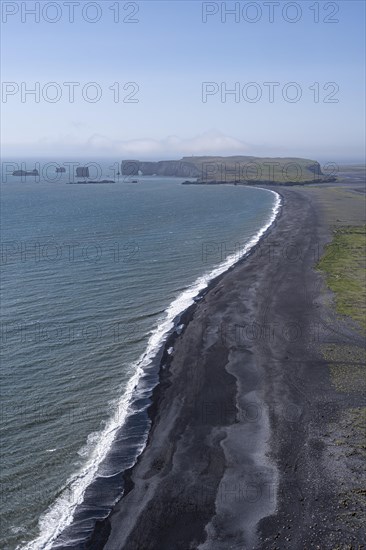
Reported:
(344, 263)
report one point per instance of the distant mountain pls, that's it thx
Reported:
(234, 169)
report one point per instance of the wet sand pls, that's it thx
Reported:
(237, 456)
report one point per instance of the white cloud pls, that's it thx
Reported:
(211, 142)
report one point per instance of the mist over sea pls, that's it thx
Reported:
(93, 277)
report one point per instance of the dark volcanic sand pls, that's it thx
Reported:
(235, 458)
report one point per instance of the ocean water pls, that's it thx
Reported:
(94, 278)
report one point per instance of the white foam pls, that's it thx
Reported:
(61, 512)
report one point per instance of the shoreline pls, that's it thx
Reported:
(215, 449)
(234, 454)
(96, 491)
(102, 529)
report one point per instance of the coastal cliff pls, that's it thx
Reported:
(235, 169)
(176, 168)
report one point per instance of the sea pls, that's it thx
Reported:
(94, 279)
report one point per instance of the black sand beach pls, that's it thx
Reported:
(243, 450)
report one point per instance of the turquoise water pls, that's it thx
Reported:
(92, 277)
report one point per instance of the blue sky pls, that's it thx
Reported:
(169, 53)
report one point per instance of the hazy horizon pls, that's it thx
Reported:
(117, 158)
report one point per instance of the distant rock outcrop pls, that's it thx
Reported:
(26, 173)
(88, 182)
(82, 172)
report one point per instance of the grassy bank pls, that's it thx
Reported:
(344, 264)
